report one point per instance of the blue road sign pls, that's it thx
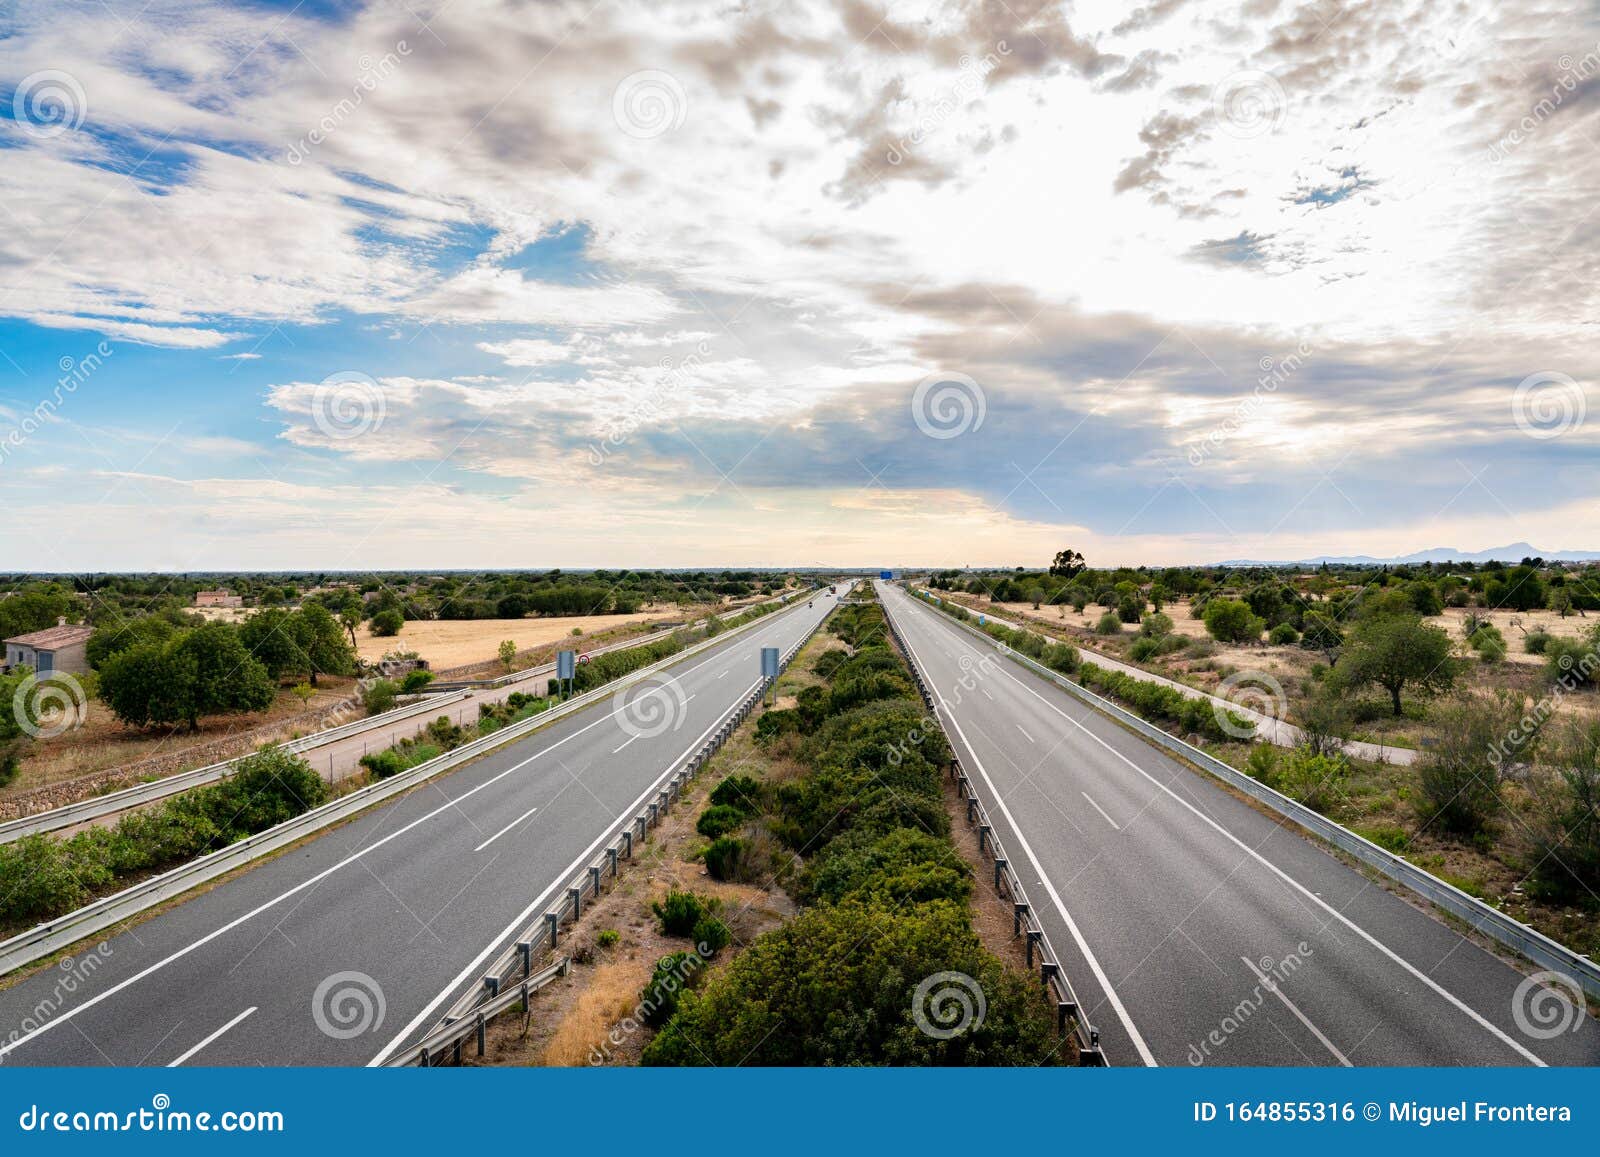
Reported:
(566, 664)
(886, 574)
(769, 662)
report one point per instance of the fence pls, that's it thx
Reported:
(512, 978)
(1024, 921)
(1491, 922)
(53, 935)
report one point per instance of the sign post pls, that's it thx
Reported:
(769, 671)
(566, 668)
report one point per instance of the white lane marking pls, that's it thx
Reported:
(723, 673)
(1272, 987)
(505, 829)
(1038, 869)
(1295, 884)
(213, 1037)
(64, 1017)
(986, 694)
(1025, 735)
(614, 750)
(539, 901)
(1101, 810)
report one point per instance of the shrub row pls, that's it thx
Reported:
(1162, 704)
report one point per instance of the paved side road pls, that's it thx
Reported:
(346, 948)
(1197, 930)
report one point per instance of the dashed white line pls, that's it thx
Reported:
(505, 829)
(212, 1037)
(1101, 810)
(1025, 735)
(629, 740)
(1272, 987)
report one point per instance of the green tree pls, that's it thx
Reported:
(1232, 621)
(272, 636)
(1068, 564)
(387, 623)
(322, 639)
(1396, 652)
(206, 671)
(508, 653)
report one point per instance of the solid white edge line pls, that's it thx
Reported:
(1272, 987)
(212, 1037)
(1454, 1000)
(70, 1013)
(505, 829)
(1072, 927)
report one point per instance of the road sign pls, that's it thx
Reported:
(769, 662)
(886, 574)
(980, 620)
(566, 664)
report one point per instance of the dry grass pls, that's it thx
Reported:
(460, 642)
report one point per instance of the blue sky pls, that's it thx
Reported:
(371, 284)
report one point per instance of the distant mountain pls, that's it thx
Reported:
(1514, 553)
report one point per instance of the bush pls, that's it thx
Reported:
(710, 935)
(1315, 780)
(415, 681)
(1572, 661)
(379, 696)
(383, 764)
(719, 820)
(1157, 702)
(1156, 626)
(1109, 624)
(669, 979)
(386, 624)
(903, 866)
(1460, 774)
(1061, 657)
(835, 986)
(724, 857)
(738, 791)
(1535, 642)
(682, 911)
(1566, 841)
(1232, 621)
(1283, 635)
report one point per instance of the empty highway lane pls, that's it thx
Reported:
(1195, 929)
(343, 949)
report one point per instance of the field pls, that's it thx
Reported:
(446, 643)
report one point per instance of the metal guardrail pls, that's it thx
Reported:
(53, 935)
(511, 978)
(435, 695)
(1504, 930)
(1007, 884)
(98, 806)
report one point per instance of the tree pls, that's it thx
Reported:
(1232, 621)
(1396, 652)
(508, 654)
(387, 623)
(1068, 564)
(118, 636)
(322, 639)
(206, 671)
(271, 636)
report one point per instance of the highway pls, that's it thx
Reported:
(344, 949)
(1195, 929)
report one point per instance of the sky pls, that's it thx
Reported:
(498, 283)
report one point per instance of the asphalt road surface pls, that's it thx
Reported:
(1197, 930)
(344, 949)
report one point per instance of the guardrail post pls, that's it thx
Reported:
(525, 950)
(482, 1033)
(576, 895)
(1018, 911)
(1034, 936)
(1065, 1011)
(999, 871)
(611, 858)
(1048, 970)
(594, 878)
(627, 843)
(972, 809)
(984, 831)
(492, 983)
(653, 812)
(554, 920)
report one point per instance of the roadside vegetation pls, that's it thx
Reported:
(1487, 673)
(859, 836)
(44, 876)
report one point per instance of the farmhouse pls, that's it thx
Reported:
(58, 648)
(218, 599)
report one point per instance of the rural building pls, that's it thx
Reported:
(218, 599)
(58, 648)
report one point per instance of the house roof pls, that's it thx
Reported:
(53, 638)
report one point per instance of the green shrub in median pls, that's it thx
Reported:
(1159, 703)
(719, 820)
